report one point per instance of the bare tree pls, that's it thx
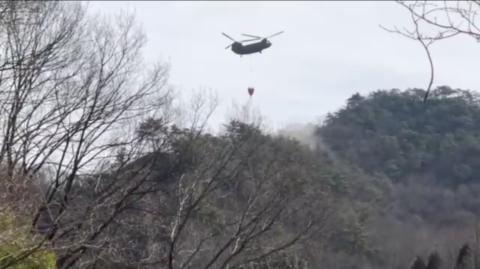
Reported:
(231, 201)
(434, 21)
(248, 197)
(72, 85)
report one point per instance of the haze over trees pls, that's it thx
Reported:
(102, 167)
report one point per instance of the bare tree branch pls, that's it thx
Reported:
(435, 21)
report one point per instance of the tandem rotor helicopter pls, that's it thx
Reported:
(240, 49)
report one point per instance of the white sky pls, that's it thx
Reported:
(329, 51)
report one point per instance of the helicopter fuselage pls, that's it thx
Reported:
(252, 48)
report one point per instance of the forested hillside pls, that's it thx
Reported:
(430, 154)
(394, 133)
(432, 149)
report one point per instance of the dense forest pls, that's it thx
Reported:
(430, 150)
(103, 167)
(417, 160)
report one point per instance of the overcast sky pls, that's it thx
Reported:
(329, 51)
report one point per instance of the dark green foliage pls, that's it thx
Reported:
(419, 263)
(463, 255)
(462, 261)
(423, 162)
(434, 261)
(396, 133)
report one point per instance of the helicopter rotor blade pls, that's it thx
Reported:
(275, 34)
(228, 37)
(254, 36)
(228, 46)
(248, 40)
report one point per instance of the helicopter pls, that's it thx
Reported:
(240, 49)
